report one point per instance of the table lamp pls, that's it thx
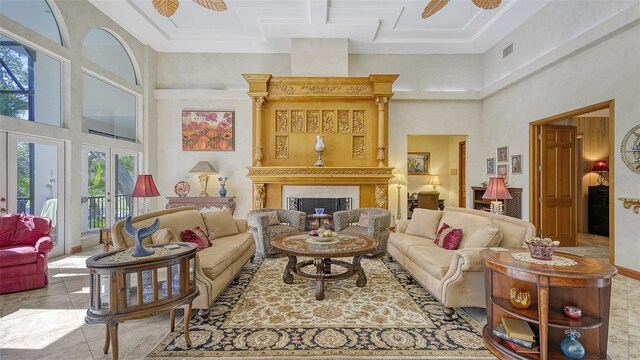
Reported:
(434, 180)
(145, 187)
(600, 167)
(204, 168)
(496, 190)
(399, 180)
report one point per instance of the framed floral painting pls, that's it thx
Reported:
(208, 130)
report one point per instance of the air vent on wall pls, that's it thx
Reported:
(508, 50)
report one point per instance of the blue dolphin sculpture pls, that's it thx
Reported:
(139, 234)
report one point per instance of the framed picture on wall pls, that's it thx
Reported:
(208, 130)
(503, 171)
(503, 154)
(418, 163)
(491, 166)
(516, 164)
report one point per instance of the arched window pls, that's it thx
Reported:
(101, 47)
(34, 14)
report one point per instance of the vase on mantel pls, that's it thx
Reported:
(319, 148)
(223, 191)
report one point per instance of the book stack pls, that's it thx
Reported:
(517, 336)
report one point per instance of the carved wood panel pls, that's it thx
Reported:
(358, 147)
(282, 121)
(358, 121)
(282, 147)
(328, 121)
(297, 121)
(313, 121)
(343, 121)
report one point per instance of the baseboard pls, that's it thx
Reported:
(634, 274)
(76, 249)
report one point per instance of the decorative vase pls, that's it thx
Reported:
(319, 147)
(520, 298)
(571, 347)
(139, 234)
(223, 191)
(541, 249)
(319, 211)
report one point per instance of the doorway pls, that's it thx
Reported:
(571, 165)
(108, 178)
(34, 181)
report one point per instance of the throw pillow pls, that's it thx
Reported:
(487, 236)
(273, 218)
(162, 237)
(196, 236)
(364, 220)
(424, 223)
(220, 224)
(448, 237)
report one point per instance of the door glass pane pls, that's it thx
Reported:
(125, 168)
(94, 204)
(37, 181)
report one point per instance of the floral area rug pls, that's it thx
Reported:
(261, 317)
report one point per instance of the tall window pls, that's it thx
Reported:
(107, 109)
(30, 83)
(34, 14)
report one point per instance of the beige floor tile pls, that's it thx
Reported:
(26, 307)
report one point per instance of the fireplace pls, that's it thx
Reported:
(308, 206)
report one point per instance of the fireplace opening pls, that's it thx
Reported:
(309, 206)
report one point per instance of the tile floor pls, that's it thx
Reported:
(49, 323)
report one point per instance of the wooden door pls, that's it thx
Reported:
(558, 199)
(462, 166)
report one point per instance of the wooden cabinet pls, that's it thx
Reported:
(586, 285)
(203, 202)
(512, 207)
(599, 210)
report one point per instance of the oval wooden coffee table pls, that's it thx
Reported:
(324, 255)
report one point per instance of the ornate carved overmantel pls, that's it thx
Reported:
(351, 113)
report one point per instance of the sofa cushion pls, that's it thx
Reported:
(7, 228)
(163, 236)
(513, 232)
(448, 237)
(222, 253)
(277, 230)
(196, 236)
(29, 229)
(432, 259)
(424, 222)
(272, 217)
(487, 236)
(220, 224)
(18, 255)
(364, 220)
(356, 229)
(405, 241)
(468, 222)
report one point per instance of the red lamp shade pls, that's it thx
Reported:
(600, 165)
(145, 187)
(496, 190)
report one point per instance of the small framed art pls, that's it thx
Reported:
(516, 164)
(208, 130)
(418, 163)
(491, 166)
(503, 170)
(503, 154)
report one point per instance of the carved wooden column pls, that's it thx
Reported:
(259, 196)
(258, 100)
(381, 101)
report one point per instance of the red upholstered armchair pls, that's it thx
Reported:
(24, 247)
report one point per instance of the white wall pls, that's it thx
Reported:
(608, 70)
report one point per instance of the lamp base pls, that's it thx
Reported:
(143, 206)
(497, 207)
(601, 179)
(204, 182)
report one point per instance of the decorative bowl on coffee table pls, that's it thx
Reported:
(541, 249)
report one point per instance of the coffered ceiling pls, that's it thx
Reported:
(267, 26)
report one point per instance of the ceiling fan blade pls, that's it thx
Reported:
(166, 7)
(433, 7)
(215, 5)
(487, 4)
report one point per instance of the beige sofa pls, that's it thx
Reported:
(454, 277)
(216, 266)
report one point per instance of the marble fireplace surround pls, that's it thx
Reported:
(329, 192)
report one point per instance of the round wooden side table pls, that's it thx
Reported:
(586, 284)
(324, 256)
(126, 288)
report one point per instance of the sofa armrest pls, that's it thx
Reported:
(297, 219)
(44, 245)
(378, 223)
(342, 219)
(467, 259)
(401, 225)
(242, 225)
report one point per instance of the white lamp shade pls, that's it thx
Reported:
(434, 180)
(399, 179)
(203, 167)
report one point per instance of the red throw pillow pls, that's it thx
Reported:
(196, 236)
(448, 237)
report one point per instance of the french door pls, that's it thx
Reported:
(35, 181)
(108, 178)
